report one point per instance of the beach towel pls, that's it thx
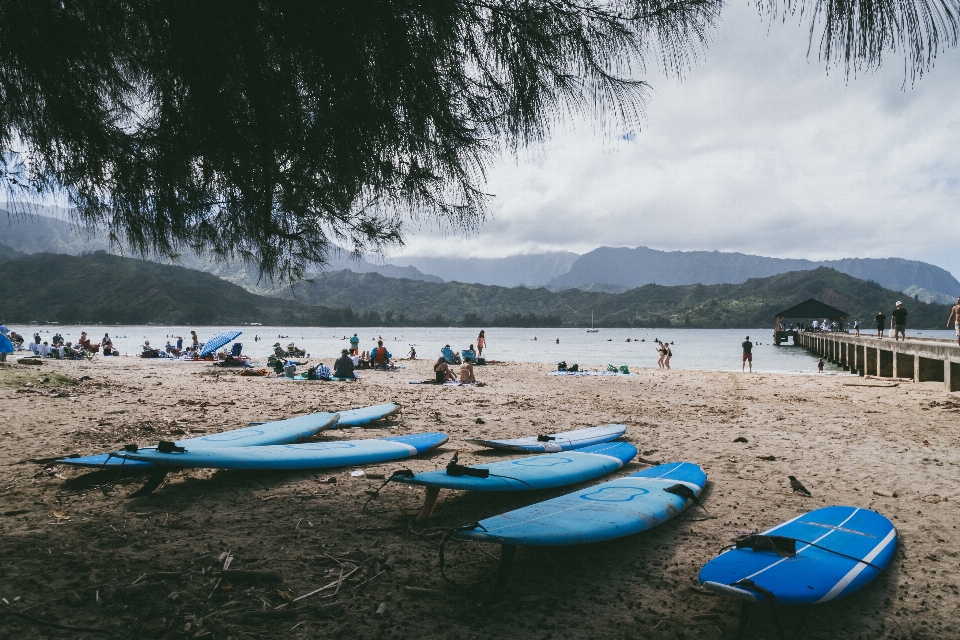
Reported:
(616, 373)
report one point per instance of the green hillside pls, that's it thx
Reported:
(8, 253)
(100, 287)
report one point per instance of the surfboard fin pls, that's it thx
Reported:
(507, 553)
(154, 481)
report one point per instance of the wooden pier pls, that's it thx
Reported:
(921, 359)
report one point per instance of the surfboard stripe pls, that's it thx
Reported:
(853, 573)
(619, 462)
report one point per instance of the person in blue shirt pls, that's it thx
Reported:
(355, 343)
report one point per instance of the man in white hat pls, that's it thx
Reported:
(899, 321)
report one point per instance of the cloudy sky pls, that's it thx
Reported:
(759, 149)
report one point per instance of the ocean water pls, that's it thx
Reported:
(700, 349)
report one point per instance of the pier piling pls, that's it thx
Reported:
(922, 359)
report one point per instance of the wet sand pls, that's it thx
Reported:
(69, 551)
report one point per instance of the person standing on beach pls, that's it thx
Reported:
(662, 353)
(747, 354)
(355, 344)
(481, 343)
(881, 321)
(196, 340)
(668, 353)
(820, 365)
(899, 320)
(955, 316)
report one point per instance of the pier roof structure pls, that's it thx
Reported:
(812, 308)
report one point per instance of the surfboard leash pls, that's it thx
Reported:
(443, 542)
(104, 487)
(786, 547)
(399, 473)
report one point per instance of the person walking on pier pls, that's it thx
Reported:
(881, 321)
(955, 316)
(747, 354)
(899, 319)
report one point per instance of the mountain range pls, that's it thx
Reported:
(104, 288)
(605, 269)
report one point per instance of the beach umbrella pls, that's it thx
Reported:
(5, 345)
(219, 340)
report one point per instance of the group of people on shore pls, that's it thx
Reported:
(173, 350)
(57, 347)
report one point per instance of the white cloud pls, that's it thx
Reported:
(758, 150)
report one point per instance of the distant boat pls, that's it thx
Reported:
(591, 329)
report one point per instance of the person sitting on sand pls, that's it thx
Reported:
(44, 350)
(380, 357)
(442, 371)
(466, 373)
(84, 342)
(146, 351)
(343, 367)
(69, 352)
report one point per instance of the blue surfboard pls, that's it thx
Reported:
(538, 472)
(366, 415)
(547, 471)
(267, 433)
(830, 553)
(308, 455)
(606, 511)
(551, 443)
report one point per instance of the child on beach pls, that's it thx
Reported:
(820, 366)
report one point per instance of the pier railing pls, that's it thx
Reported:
(921, 359)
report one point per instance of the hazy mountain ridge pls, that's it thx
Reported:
(100, 287)
(31, 230)
(529, 270)
(641, 265)
(605, 269)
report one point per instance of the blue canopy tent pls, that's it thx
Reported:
(219, 340)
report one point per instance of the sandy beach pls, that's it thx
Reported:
(72, 554)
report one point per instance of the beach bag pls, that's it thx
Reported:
(312, 373)
(562, 366)
(481, 361)
(624, 370)
(574, 368)
(891, 333)
(612, 369)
